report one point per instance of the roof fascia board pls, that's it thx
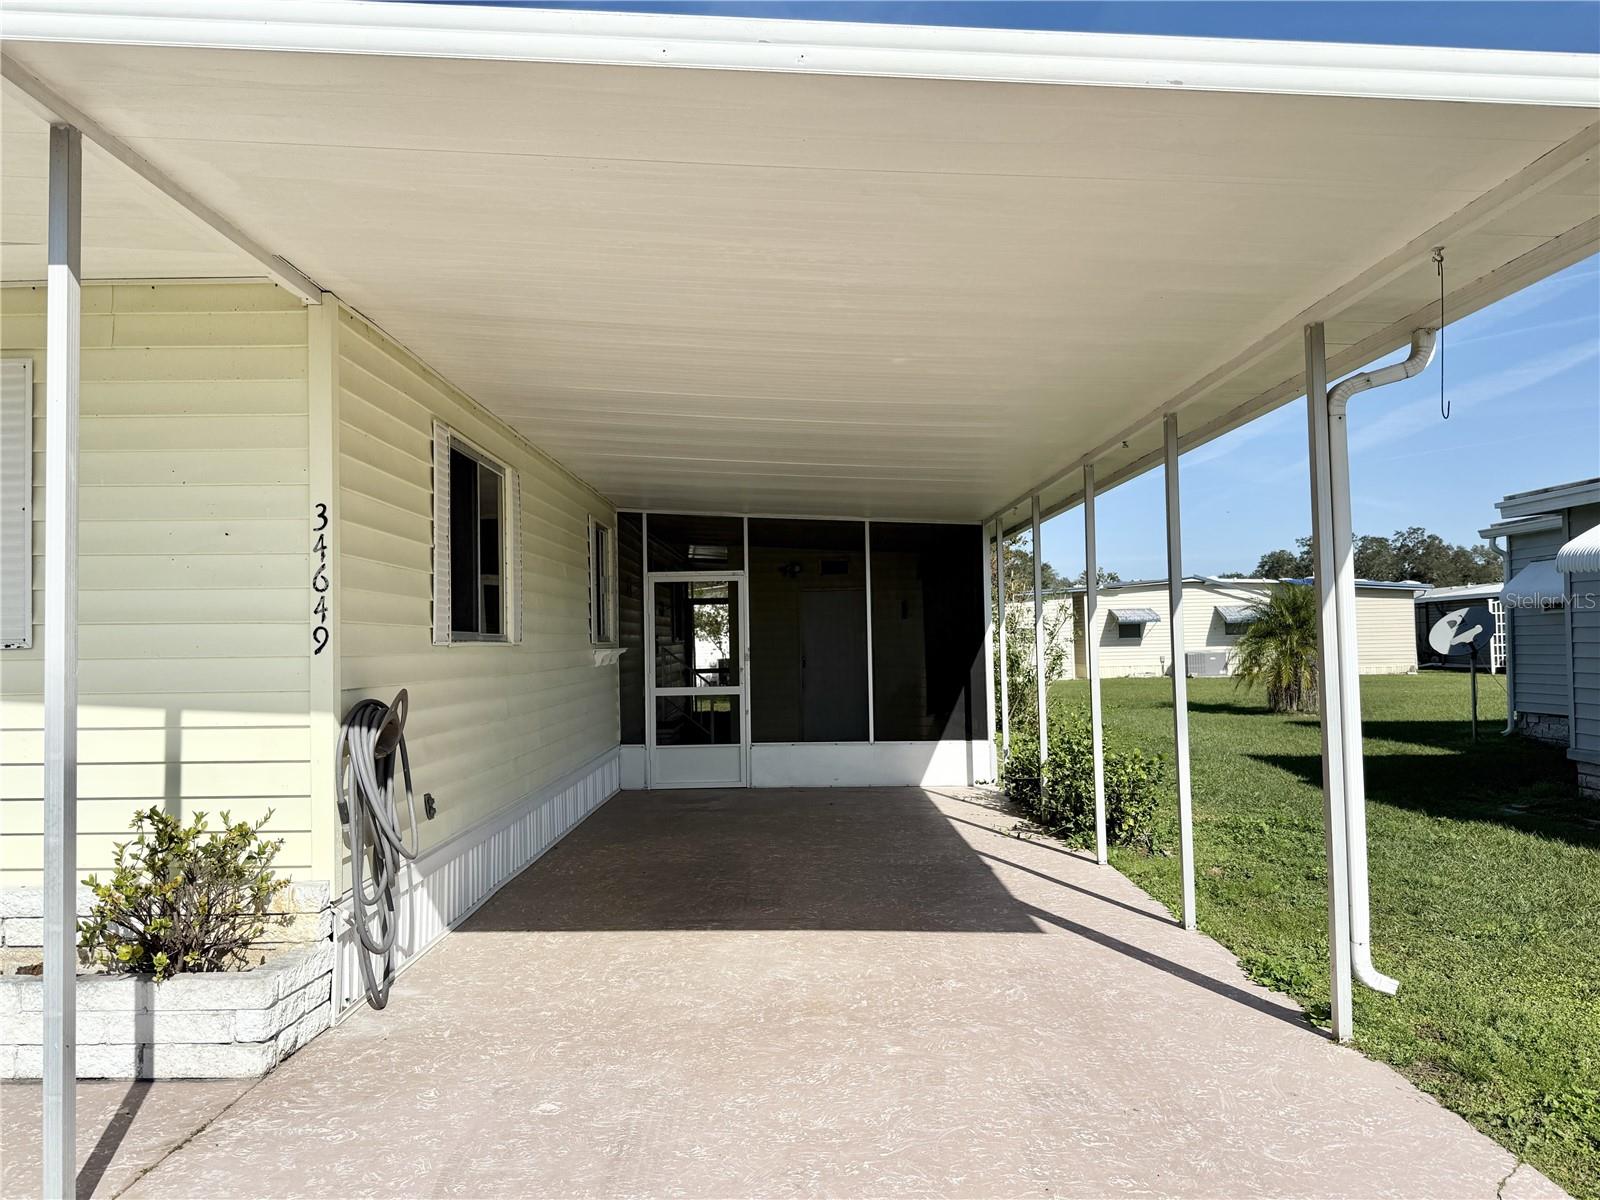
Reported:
(1578, 243)
(1520, 525)
(818, 47)
(1550, 500)
(41, 98)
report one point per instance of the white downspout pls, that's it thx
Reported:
(1349, 681)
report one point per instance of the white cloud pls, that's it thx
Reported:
(1410, 419)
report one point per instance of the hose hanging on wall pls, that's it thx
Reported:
(372, 741)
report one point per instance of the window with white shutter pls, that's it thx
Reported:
(16, 503)
(602, 584)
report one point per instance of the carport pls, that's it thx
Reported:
(771, 270)
(822, 992)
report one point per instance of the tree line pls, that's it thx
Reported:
(1411, 554)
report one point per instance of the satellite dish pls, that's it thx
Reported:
(1463, 631)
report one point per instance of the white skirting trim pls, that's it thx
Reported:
(852, 764)
(870, 764)
(443, 887)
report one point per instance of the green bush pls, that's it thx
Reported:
(1019, 773)
(1060, 798)
(183, 898)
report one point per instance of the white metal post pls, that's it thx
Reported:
(988, 662)
(1333, 784)
(63, 308)
(648, 614)
(1180, 675)
(872, 716)
(1091, 652)
(1041, 684)
(1005, 685)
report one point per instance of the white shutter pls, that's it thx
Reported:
(514, 529)
(441, 534)
(16, 503)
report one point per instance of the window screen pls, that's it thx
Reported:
(680, 543)
(601, 606)
(477, 538)
(1130, 631)
(808, 631)
(927, 631)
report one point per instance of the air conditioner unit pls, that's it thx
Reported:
(1206, 664)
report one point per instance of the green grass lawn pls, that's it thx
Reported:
(1485, 891)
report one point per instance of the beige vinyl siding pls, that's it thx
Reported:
(1386, 631)
(1539, 649)
(1151, 653)
(490, 723)
(192, 569)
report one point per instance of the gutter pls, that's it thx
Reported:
(817, 47)
(1423, 343)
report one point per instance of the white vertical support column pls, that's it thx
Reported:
(1180, 679)
(872, 719)
(63, 307)
(323, 647)
(744, 656)
(648, 611)
(1091, 651)
(1041, 682)
(1333, 734)
(988, 662)
(1005, 683)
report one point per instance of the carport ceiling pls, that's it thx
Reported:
(787, 290)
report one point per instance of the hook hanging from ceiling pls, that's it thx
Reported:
(1438, 265)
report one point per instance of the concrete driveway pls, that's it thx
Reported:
(818, 993)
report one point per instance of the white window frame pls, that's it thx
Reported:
(16, 448)
(603, 607)
(1123, 637)
(446, 439)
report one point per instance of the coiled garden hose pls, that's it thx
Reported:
(372, 742)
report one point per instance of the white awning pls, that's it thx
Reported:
(1580, 556)
(1135, 616)
(1238, 614)
(1537, 585)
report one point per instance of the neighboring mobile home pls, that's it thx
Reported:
(642, 394)
(1132, 636)
(1552, 598)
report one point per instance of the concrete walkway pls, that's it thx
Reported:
(819, 993)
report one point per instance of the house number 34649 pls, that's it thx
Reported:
(320, 582)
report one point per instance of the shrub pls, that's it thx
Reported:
(182, 897)
(1019, 774)
(1278, 649)
(1060, 798)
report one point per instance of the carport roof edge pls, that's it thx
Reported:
(821, 419)
(382, 27)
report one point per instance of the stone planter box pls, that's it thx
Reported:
(222, 1025)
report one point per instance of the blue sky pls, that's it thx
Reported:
(1523, 376)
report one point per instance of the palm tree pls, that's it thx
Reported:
(1279, 648)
